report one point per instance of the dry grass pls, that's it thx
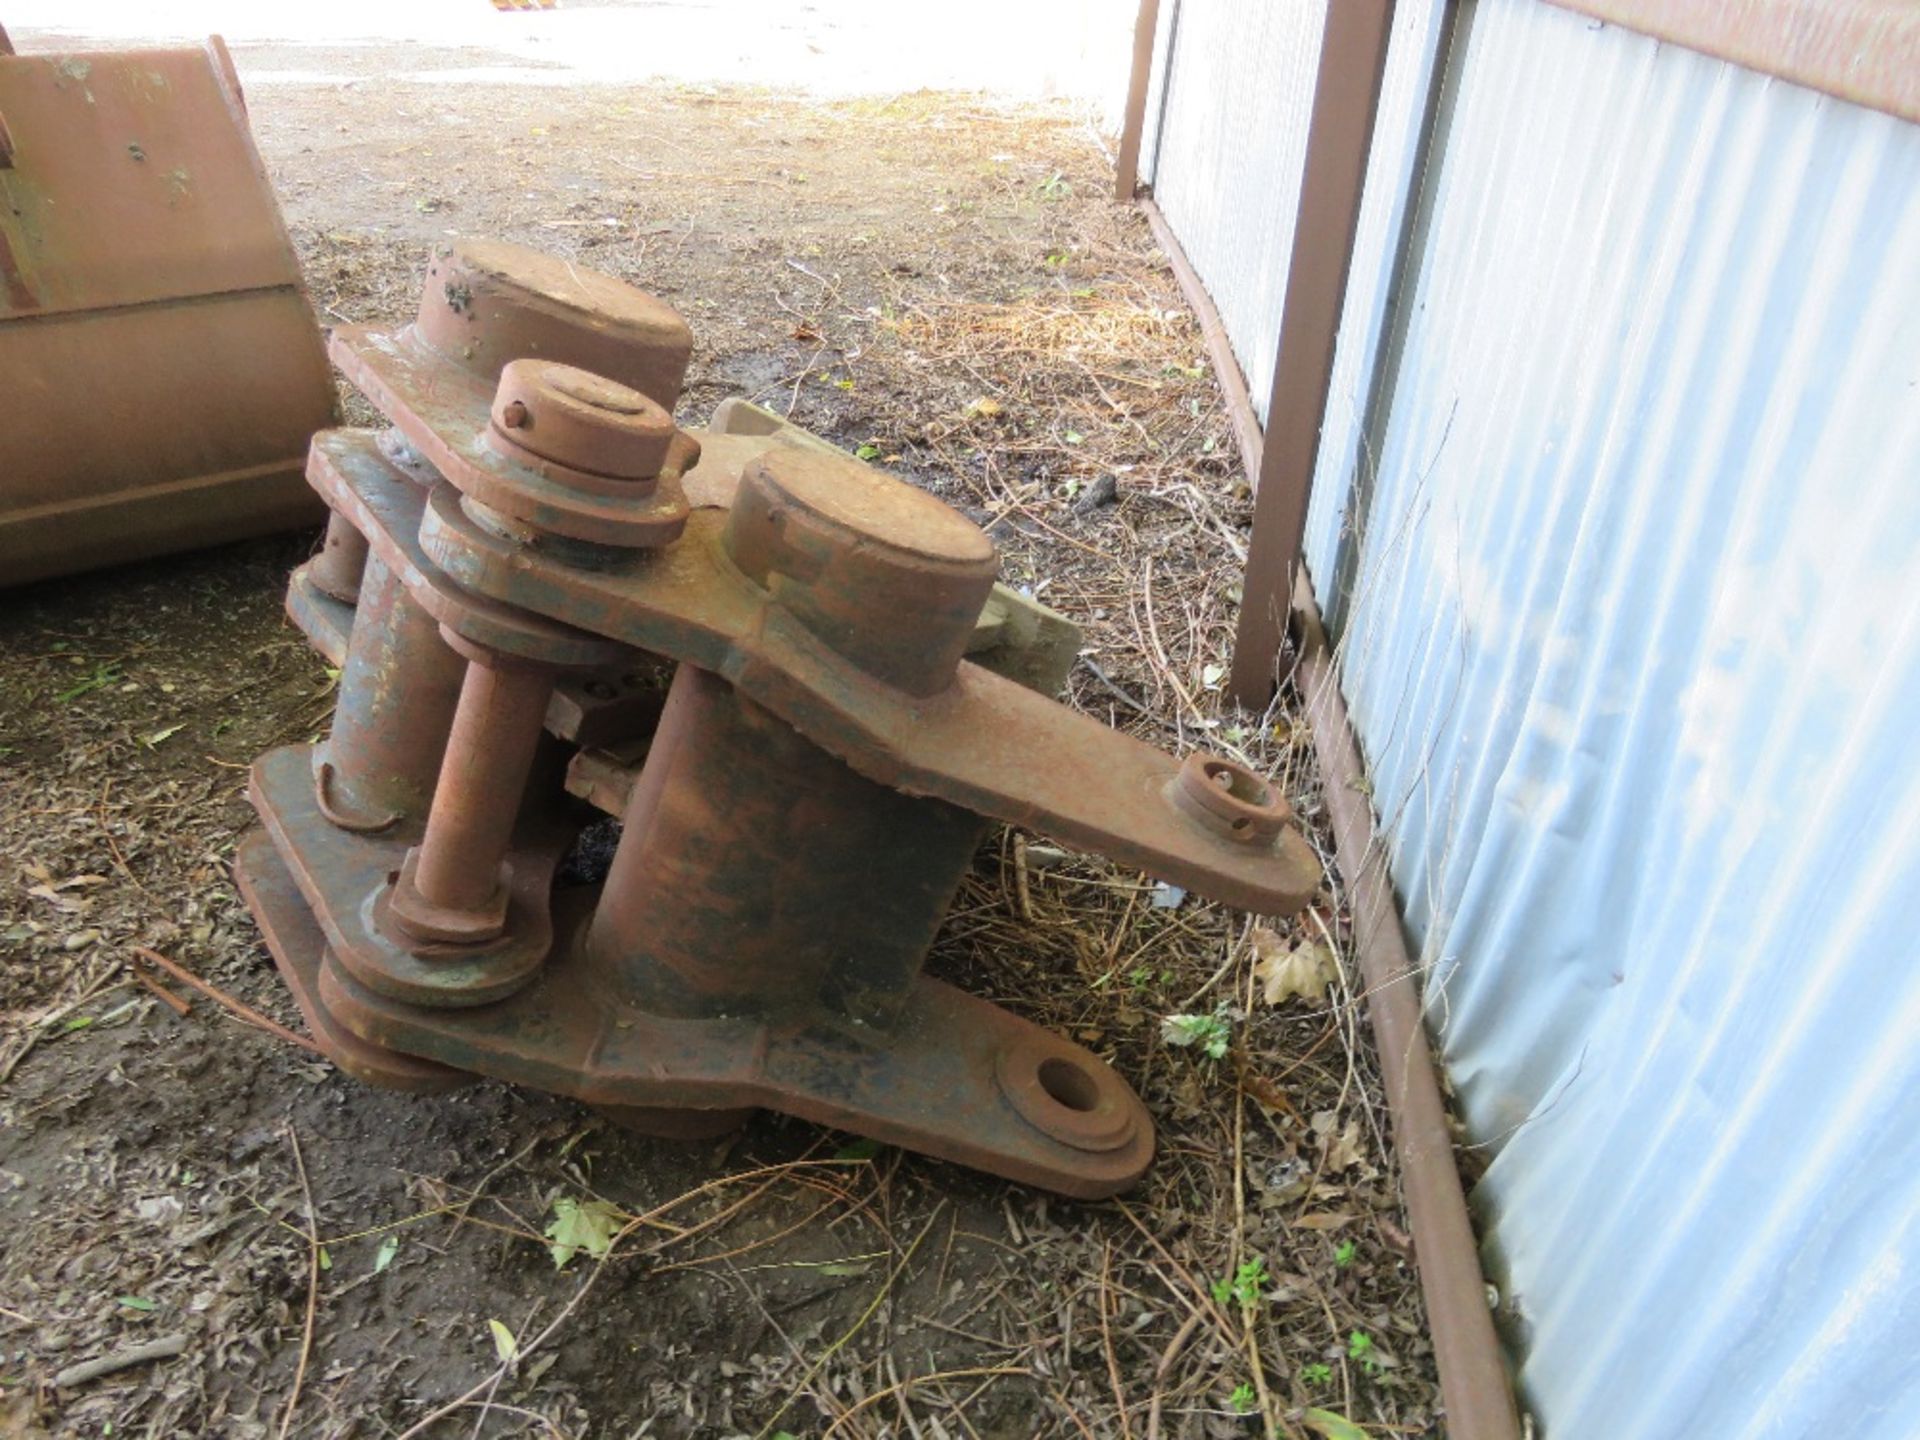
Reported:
(1278, 1153)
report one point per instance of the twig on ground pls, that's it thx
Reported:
(1106, 1340)
(106, 833)
(1167, 1357)
(553, 1431)
(313, 1283)
(1107, 681)
(160, 992)
(220, 997)
(163, 1347)
(886, 1289)
(487, 1404)
(43, 1026)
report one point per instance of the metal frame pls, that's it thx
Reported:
(1467, 1352)
(1473, 1376)
(1346, 97)
(1127, 167)
(1863, 51)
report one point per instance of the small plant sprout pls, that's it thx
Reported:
(1242, 1401)
(1317, 1375)
(1343, 1253)
(1246, 1285)
(1210, 1034)
(1360, 1348)
(103, 675)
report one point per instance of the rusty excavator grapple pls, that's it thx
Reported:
(511, 573)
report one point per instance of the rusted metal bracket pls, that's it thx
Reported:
(511, 576)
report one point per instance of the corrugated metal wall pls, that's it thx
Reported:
(1348, 434)
(1223, 146)
(1634, 647)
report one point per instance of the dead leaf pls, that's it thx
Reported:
(1332, 1426)
(1323, 1220)
(1343, 1150)
(1265, 1091)
(504, 1345)
(1282, 1182)
(1285, 970)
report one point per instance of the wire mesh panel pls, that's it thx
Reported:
(1224, 145)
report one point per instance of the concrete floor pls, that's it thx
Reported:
(1073, 48)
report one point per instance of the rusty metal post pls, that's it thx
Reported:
(756, 872)
(1346, 97)
(342, 560)
(1146, 25)
(398, 687)
(451, 888)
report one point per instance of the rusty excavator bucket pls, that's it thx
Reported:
(160, 366)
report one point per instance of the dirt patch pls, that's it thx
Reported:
(942, 282)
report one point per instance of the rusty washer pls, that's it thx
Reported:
(573, 419)
(1231, 799)
(806, 707)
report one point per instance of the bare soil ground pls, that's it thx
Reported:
(938, 278)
